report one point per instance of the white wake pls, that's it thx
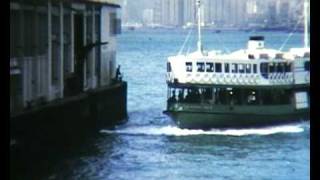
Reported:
(175, 131)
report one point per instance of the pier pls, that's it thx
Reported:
(63, 72)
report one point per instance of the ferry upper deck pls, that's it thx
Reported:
(254, 66)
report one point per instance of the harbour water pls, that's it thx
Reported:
(150, 146)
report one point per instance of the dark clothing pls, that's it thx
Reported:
(118, 74)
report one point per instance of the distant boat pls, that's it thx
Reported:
(132, 26)
(255, 86)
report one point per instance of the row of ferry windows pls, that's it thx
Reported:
(217, 67)
(242, 68)
(275, 68)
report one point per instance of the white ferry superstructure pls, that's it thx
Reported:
(248, 87)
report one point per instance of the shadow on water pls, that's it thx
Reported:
(31, 160)
(147, 117)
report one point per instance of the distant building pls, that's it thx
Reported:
(147, 17)
(256, 13)
(180, 13)
(189, 11)
(125, 16)
(222, 13)
(165, 12)
(157, 14)
(176, 13)
(283, 13)
(272, 13)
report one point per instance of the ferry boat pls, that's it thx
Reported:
(251, 87)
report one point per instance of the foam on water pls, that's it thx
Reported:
(175, 131)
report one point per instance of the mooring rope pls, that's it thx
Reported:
(291, 33)
(185, 41)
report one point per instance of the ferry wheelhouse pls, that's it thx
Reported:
(255, 86)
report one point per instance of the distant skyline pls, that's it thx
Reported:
(218, 13)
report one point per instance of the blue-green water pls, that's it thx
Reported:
(150, 146)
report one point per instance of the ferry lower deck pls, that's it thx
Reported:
(208, 107)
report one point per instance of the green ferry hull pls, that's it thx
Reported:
(237, 107)
(191, 120)
(231, 119)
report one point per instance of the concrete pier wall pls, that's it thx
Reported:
(68, 120)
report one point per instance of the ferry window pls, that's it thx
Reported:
(272, 68)
(254, 68)
(264, 56)
(189, 66)
(279, 56)
(226, 67)
(209, 67)
(251, 56)
(307, 66)
(241, 68)
(287, 67)
(280, 67)
(264, 70)
(234, 68)
(200, 66)
(218, 67)
(168, 67)
(248, 68)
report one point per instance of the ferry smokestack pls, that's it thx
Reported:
(256, 42)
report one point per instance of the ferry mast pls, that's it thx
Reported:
(306, 29)
(199, 26)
